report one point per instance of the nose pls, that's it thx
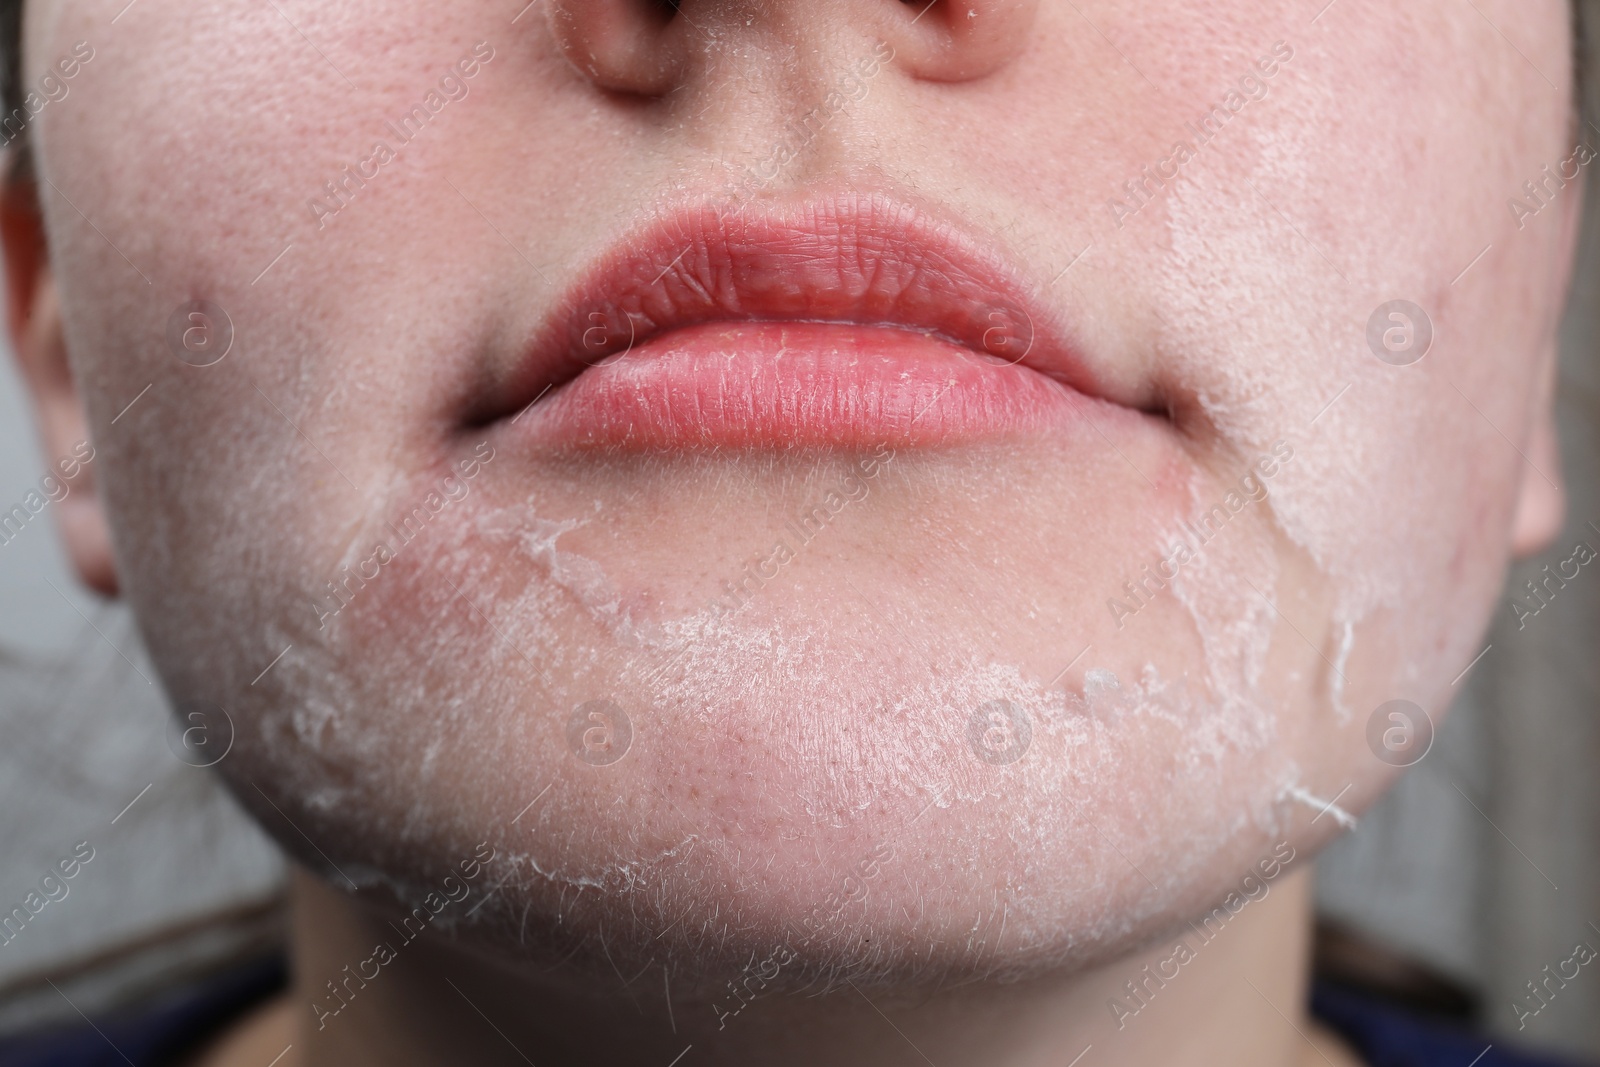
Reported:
(648, 47)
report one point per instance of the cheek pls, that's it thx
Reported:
(1400, 492)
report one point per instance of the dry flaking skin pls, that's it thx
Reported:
(1389, 567)
(773, 746)
(778, 747)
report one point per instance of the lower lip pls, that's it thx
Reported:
(798, 384)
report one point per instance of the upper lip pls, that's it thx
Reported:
(868, 260)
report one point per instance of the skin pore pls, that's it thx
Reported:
(979, 744)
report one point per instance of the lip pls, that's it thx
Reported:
(840, 322)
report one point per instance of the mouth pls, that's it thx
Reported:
(843, 322)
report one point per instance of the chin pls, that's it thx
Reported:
(870, 761)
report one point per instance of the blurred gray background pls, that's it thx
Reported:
(179, 881)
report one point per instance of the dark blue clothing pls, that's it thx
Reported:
(164, 1030)
(175, 1024)
(1387, 1036)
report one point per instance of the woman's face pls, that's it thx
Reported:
(751, 447)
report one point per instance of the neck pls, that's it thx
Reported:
(1234, 998)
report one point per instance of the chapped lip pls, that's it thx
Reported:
(909, 296)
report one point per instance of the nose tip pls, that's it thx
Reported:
(647, 47)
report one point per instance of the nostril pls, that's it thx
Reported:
(625, 46)
(947, 41)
